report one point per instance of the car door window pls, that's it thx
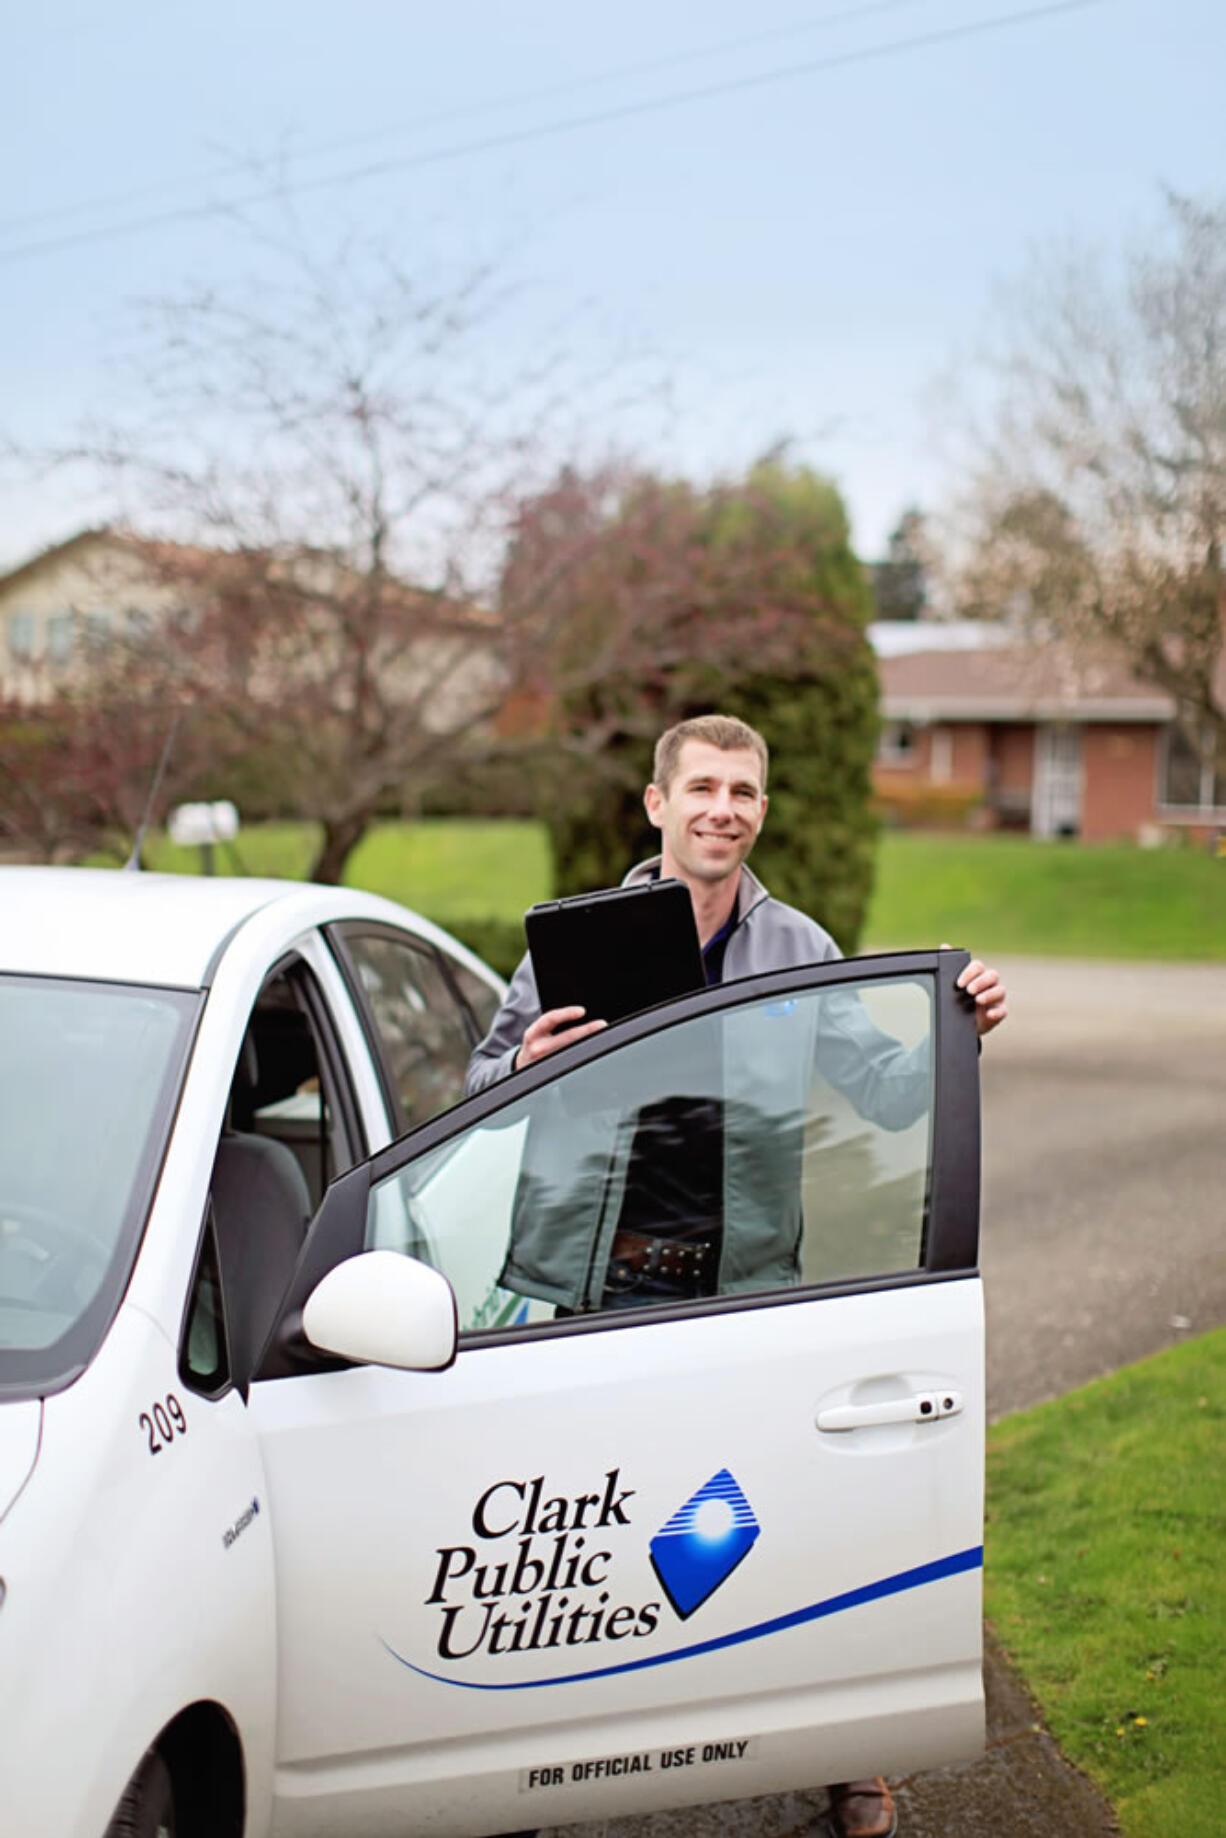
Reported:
(762, 1142)
(422, 1034)
(204, 1358)
(290, 1127)
(480, 996)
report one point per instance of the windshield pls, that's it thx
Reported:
(89, 1078)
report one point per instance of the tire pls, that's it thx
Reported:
(147, 1809)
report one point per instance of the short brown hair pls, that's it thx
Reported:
(723, 731)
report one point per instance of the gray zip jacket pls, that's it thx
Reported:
(576, 1153)
(766, 935)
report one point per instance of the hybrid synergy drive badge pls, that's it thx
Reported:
(703, 1542)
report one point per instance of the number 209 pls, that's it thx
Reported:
(163, 1423)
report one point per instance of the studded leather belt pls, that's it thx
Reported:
(639, 1254)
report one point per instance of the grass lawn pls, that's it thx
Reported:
(1004, 894)
(453, 869)
(1106, 1584)
(999, 894)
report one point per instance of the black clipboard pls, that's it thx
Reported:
(618, 951)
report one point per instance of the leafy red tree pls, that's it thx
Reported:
(656, 600)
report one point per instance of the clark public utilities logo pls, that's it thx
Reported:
(540, 1571)
(703, 1543)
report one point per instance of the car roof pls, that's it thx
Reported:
(166, 929)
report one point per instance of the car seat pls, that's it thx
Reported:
(261, 1206)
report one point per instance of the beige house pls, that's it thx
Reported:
(98, 585)
(437, 665)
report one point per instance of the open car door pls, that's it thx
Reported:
(634, 1550)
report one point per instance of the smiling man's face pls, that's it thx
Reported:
(711, 812)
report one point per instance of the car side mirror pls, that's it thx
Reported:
(383, 1309)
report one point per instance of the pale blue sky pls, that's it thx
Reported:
(802, 255)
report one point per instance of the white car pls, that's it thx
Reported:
(282, 1554)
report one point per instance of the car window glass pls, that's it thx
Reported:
(422, 1033)
(772, 1144)
(282, 1142)
(281, 1089)
(483, 1000)
(89, 1075)
(204, 1364)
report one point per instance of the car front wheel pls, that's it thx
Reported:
(147, 1809)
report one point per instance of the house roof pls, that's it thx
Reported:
(898, 637)
(187, 563)
(1015, 682)
(120, 542)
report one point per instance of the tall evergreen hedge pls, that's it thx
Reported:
(820, 720)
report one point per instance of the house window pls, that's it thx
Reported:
(1193, 769)
(898, 743)
(59, 637)
(21, 636)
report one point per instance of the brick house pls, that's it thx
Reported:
(983, 729)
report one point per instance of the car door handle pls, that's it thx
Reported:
(923, 1407)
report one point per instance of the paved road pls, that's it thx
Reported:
(1104, 1201)
(1104, 1170)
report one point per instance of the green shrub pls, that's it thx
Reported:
(817, 848)
(928, 807)
(499, 942)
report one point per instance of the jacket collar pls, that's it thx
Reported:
(749, 894)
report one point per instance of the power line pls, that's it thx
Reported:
(546, 130)
(490, 105)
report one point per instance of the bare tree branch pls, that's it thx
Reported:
(1098, 505)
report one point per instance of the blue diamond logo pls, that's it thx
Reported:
(703, 1543)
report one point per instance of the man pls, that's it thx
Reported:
(708, 800)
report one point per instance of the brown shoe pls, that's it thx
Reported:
(862, 1809)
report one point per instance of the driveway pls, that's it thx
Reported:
(1104, 1170)
(1104, 1201)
